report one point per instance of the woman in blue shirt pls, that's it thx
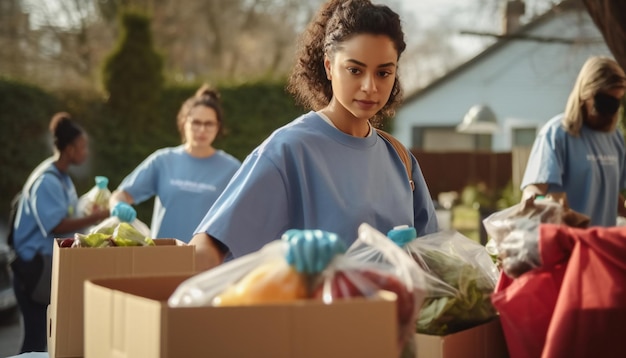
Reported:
(328, 169)
(46, 211)
(185, 180)
(581, 152)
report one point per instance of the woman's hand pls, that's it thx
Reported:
(208, 255)
(534, 190)
(124, 211)
(310, 251)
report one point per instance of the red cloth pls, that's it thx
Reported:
(575, 304)
(525, 306)
(590, 313)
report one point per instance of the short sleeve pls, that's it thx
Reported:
(142, 182)
(50, 202)
(252, 210)
(545, 162)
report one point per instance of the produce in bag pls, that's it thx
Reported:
(284, 271)
(514, 232)
(108, 225)
(112, 232)
(126, 235)
(257, 278)
(272, 282)
(460, 277)
(346, 281)
(383, 264)
(96, 199)
(92, 240)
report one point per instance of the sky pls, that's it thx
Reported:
(458, 15)
(422, 62)
(448, 18)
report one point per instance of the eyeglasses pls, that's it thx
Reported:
(197, 124)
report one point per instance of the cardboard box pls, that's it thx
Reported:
(72, 266)
(483, 341)
(129, 317)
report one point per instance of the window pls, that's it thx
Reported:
(524, 137)
(440, 139)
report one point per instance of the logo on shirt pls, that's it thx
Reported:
(192, 186)
(602, 159)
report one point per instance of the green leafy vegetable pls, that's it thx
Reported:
(126, 235)
(443, 313)
(94, 240)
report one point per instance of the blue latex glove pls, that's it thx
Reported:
(310, 251)
(124, 211)
(402, 235)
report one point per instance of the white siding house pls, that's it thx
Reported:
(524, 78)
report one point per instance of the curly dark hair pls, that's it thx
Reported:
(335, 22)
(204, 96)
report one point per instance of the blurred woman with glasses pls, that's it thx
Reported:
(185, 180)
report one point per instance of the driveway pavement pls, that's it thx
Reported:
(10, 320)
(10, 332)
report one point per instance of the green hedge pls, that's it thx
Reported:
(252, 111)
(25, 113)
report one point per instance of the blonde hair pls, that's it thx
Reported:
(597, 74)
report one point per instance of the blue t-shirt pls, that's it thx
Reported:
(310, 175)
(589, 168)
(52, 198)
(185, 188)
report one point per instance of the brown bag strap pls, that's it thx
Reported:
(402, 152)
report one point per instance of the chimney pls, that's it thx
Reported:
(513, 11)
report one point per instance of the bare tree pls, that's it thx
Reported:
(218, 40)
(13, 28)
(225, 39)
(610, 18)
(62, 41)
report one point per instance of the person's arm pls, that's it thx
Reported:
(75, 224)
(533, 190)
(120, 195)
(209, 253)
(120, 206)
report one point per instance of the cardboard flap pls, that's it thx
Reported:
(71, 267)
(483, 341)
(350, 322)
(147, 327)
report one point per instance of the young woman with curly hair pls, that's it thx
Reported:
(328, 169)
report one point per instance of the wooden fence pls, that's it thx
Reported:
(453, 171)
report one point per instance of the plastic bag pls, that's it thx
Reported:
(112, 232)
(523, 216)
(108, 225)
(96, 199)
(265, 277)
(460, 277)
(374, 249)
(514, 233)
(267, 267)
(259, 277)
